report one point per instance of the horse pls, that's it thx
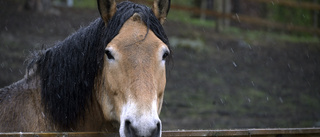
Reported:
(109, 76)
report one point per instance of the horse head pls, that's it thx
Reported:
(133, 76)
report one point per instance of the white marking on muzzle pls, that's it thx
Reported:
(135, 122)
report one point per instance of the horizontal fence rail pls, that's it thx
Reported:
(272, 132)
(291, 3)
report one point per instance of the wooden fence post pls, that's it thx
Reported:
(224, 7)
(316, 16)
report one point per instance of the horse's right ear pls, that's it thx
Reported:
(161, 9)
(107, 8)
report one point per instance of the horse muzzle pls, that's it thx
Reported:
(144, 130)
(135, 123)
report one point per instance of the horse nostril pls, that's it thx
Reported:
(129, 130)
(127, 123)
(142, 131)
(156, 131)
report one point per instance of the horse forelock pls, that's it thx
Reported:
(68, 70)
(125, 10)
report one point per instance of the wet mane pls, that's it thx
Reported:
(68, 70)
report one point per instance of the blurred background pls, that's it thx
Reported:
(237, 63)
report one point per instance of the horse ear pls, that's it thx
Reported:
(107, 8)
(161, 9)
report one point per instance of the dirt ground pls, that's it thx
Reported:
(228, 83)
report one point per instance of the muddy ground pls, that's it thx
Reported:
(228, 82)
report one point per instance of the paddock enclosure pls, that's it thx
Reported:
(272, 132)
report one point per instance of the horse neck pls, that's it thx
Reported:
(20, 106)
(94, 119)
(29, 84)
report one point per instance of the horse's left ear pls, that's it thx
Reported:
(107, 8)
(161, 9)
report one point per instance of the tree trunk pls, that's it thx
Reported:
(203, 7)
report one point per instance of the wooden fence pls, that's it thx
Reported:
(260, 21)
(255, 20)
(273, 132)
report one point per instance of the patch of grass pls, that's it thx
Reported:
(310, 101)
(185, 17)
(91, 4)
(195, 44)
(261, 35)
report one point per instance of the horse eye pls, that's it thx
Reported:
(165, 55)
(109, 55)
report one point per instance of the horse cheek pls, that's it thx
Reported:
(161, 87)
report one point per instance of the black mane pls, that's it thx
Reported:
(68, 70)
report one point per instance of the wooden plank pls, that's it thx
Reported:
(285, 132)
(290, 3)
(273, 132)
(199, 133)
(58, 134)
